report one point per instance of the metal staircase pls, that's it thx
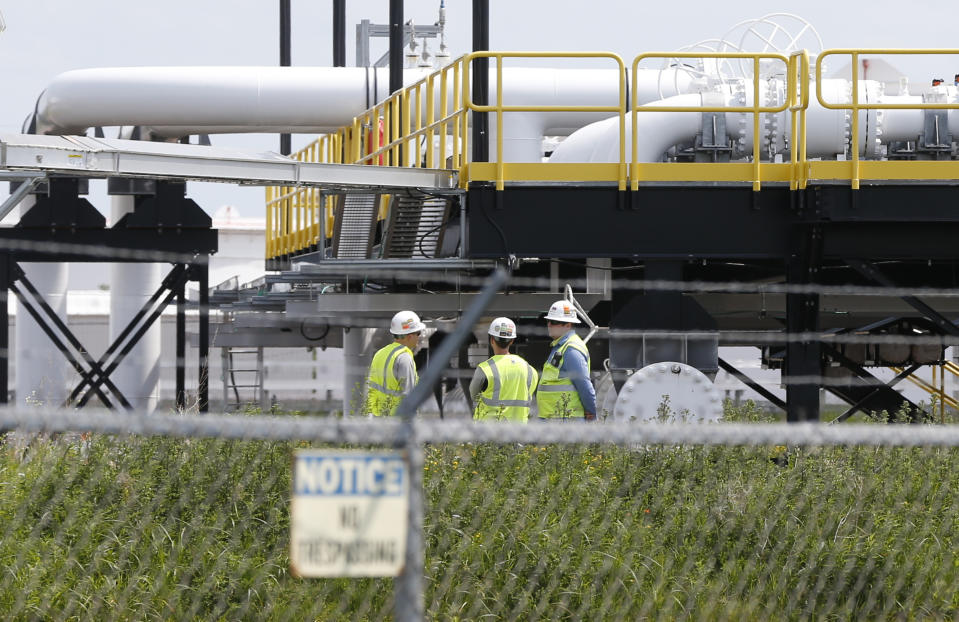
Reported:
(416, 226)
(355, 225)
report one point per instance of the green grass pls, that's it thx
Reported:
(133, 528)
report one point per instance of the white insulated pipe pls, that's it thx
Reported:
(42, 371)
(178, 101)
(657, 131)
(131, 285)
(828, 130)
(525, 86)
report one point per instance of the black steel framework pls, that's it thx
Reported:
(164, 227)
(825, 234)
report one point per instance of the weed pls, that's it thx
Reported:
(133, 528)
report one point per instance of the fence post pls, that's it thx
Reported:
(408, 595)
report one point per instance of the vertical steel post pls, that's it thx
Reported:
(396, 68)
(181, 347)
(263, 403)
(286, 146)
(803, 364)
(480, 86)
(363, 46)
(321, 239)
(4, 328)
(339, 33)
(225, 377)
(409, 585)
(203, 388)
(396, 45)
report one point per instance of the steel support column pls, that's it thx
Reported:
(480, 84)
(339, 33)
(4, 328)
(396, 45)
(181, 347)
(202, 271)
(396, 61)
(285, 61)
(803, 364)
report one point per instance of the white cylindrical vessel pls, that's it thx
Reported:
(131, 285)
(42, 371)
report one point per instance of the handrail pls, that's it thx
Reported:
(293, 213)
(499, 108)
(855, 106)
(755, 109)
(426, 124)
(798, 104)
(400, 115)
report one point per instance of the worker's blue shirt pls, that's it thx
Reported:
(575, 368)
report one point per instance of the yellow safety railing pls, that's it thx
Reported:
(636, 168)
(937, 386)
(500, 108)
(400, 131)
(293, 213)
(884, 170)
(426, 124)
(410, 128)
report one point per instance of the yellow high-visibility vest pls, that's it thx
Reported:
(384, 391)
(510, 383)
(556, 397)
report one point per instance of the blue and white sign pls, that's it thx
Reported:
(348, 515)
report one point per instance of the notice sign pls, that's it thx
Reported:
(348, 516)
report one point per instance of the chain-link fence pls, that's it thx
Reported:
(106, 516)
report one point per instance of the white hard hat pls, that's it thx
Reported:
(503, 327)
(562, 311)
(406, 322)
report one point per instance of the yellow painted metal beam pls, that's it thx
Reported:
(609, 172)
(876, 170)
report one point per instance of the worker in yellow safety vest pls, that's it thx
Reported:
(503, 385)
(393, 370)
(565, 391)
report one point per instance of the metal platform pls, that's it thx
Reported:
(82, 156)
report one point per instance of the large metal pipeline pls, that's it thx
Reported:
(178, 101)
(828, 130)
